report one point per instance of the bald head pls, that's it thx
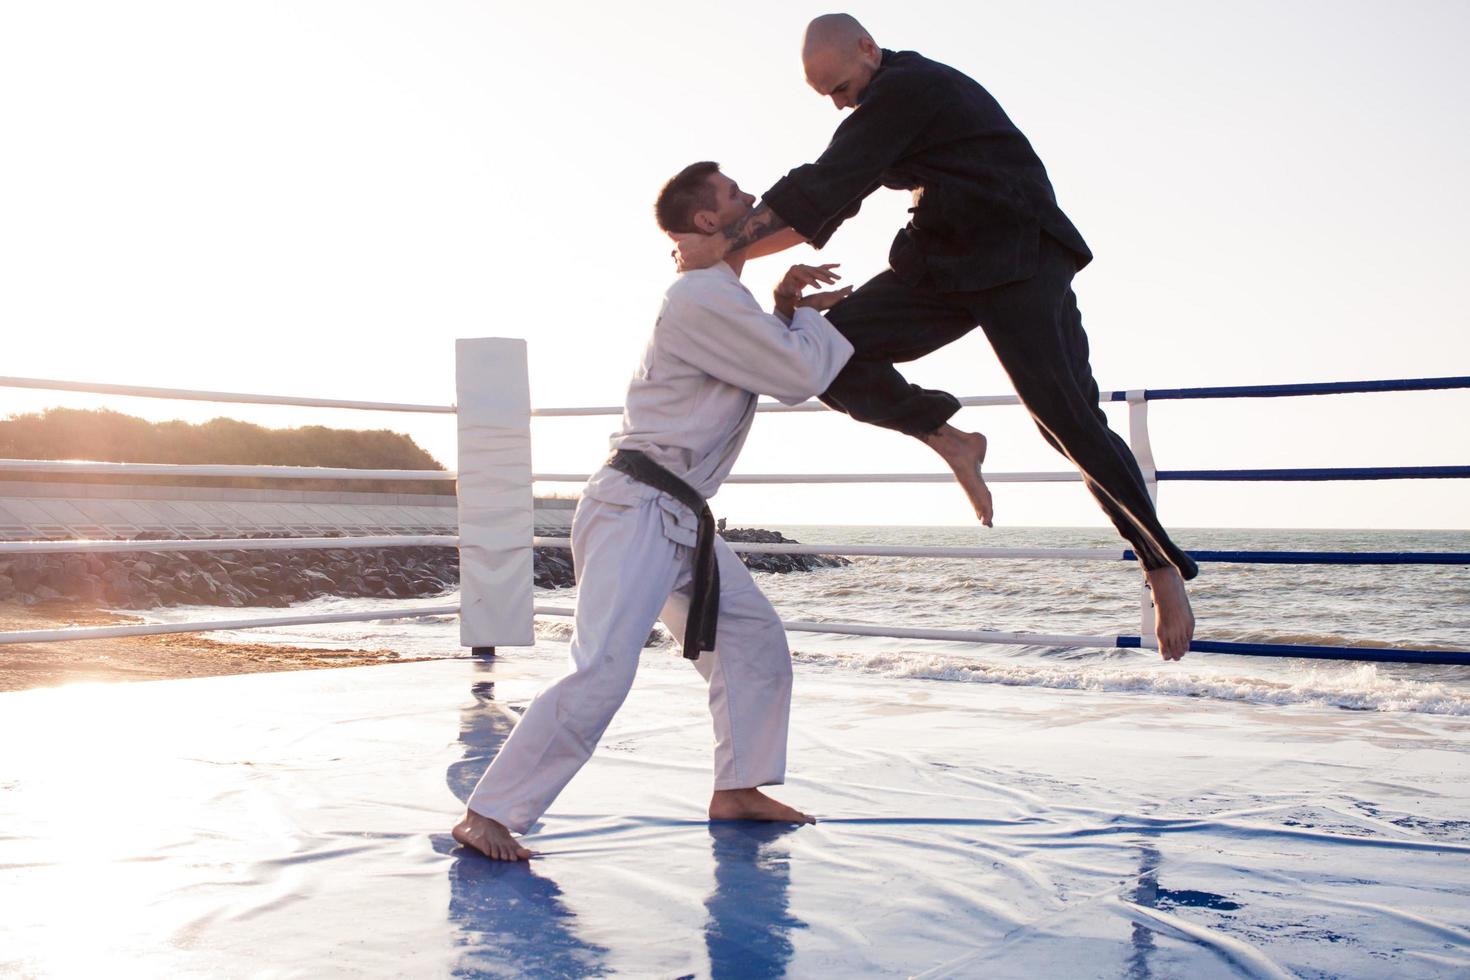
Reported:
(833, 31)
(839, 57)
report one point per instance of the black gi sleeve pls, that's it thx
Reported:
(817, 197)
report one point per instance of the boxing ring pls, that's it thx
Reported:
(295, 824)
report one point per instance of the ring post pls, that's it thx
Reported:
(495, 502)
(1143, 452)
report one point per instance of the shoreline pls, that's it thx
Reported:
(24, 666)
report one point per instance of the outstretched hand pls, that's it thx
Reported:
(798, 277)
(694, 250)
(825, 301)
(788, 292)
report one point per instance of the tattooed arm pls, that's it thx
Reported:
(758, 224)
(775, 242)
(761, 232)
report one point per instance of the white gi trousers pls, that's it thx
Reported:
(629, 574)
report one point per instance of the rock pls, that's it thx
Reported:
(26, 573)
(88, 588)
(552, 568)
(73, 565)
(119, 585)
(205, 586)
(54, 572)
(781, 564)
(312, 577)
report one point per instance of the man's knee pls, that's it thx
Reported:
(775, 657)
(615, 674)
(601, 683)
(756, 636)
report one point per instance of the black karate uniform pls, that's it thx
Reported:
(987, 246)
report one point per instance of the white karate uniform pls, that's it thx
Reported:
(689, 407)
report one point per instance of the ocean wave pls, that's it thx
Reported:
(553, 629)
(560, 630)
(1361, 688)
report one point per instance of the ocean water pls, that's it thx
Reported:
(1422, 607)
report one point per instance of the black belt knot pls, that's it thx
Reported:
(704, 603)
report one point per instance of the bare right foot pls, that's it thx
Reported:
(752, 804)
(489, 837)
(1173, 619)
(964, 452)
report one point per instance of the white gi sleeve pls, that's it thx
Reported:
(722, 330)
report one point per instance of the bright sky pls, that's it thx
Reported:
(317, 198)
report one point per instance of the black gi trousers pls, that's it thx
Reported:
(1036, 331)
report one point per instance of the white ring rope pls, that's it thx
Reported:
(971, 401)
(916, 633)
(216, 469)
(232, 544)
(160, 629)
(219, 396)
(1071, 476)
(894, 550)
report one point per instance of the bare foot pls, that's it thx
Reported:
(489, 837)
(1173, 619)
(964, 452)
(752, 804)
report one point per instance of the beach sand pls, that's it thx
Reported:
(145, 658)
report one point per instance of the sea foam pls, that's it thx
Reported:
(1362, 688)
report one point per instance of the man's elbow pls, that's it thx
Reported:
(810, 385)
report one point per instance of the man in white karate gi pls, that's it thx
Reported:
(647, 551)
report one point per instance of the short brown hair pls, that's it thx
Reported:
(686, 192)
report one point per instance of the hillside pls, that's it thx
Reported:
(107, 436)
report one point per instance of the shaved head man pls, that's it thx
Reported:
(987, 246)
(840, 58)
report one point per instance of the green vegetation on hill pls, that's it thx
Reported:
(106, 436)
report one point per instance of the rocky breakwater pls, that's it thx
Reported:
(777, 563)
(147, 579)
(236, 578)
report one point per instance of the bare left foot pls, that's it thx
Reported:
(964, 452)
(752, 804)
(1173, 619)
(489, 837)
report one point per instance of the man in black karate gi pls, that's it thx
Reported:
(987, 246)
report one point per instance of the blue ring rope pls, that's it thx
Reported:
(1327, 557)
(1322, 473)
(1315, 388)
(1378, 654)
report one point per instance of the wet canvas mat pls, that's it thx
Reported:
(296, 825)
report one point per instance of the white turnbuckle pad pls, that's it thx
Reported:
(495, 503)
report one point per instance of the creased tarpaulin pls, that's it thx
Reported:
(295, 825)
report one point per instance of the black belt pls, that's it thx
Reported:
(704, 603)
